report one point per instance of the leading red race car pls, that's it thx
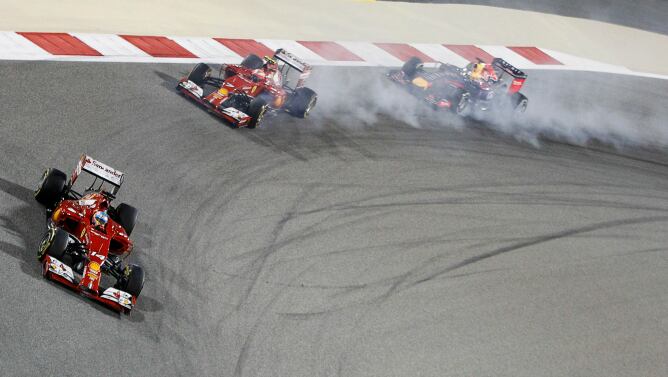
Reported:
(244, 93)
(87, 237)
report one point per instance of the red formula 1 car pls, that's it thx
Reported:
(87, 238)
(477, 86)
(243, 94)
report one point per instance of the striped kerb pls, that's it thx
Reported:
(60, 44)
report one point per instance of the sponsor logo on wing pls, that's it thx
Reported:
(234, 113)
(61, 269)
(193, 88)
(115, 295)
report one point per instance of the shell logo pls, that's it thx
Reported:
(94, 266)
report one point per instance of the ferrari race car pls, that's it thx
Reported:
(243, 94)
(87, 239)
(477, 86)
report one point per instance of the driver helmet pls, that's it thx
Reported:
(100, 219)
(477, 70)
(270, 64)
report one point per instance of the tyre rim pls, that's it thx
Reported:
(522, 106)
(44, 245)
(461, 106)
(310, 106)
(261, 114)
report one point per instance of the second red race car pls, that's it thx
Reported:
(243, 94)
(87, 239)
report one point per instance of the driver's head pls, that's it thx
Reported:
(100, 219)
(270, 64)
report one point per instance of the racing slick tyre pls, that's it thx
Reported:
(252, 61)
(51, 188)
(54, 243)
(411, 67)
(134, 282)
(126, 216)
(460, 102)
(303, 101)
(256, 110)
(199, 74)
(520, 103)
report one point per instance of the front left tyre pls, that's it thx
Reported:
(460, 102)
(256, 110)
(200, 74)
(54, 243)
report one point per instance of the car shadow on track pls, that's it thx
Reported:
(26, 222)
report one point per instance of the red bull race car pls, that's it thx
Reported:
(243, 94)
(478, 86)
(87, 239)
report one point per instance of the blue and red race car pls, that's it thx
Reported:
(478, 86)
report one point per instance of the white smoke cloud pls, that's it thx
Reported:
(573, 107)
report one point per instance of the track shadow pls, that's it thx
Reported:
(168, 82)
(27, 222)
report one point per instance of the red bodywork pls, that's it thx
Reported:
(239, 79)
(74, 216)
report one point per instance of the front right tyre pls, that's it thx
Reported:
(51, 188)
(134, 279)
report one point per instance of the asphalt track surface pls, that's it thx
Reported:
(648, 15)
(326, 247)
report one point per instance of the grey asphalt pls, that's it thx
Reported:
(649, 15)
(389, 242)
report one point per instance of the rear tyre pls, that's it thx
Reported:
(256, 110)
(252, 61)
(200, 74)
(411, 67)
(51, 188)
(303, 101)
(135, 280)
(54, 243)
(126, 215)
(520, 103)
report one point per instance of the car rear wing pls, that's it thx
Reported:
(518, 76)
(296, 63)
(291, 60)
(99, 170)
